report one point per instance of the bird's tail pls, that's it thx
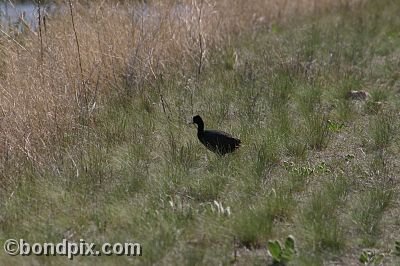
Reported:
(237, 142)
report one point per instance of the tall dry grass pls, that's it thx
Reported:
(50, 90)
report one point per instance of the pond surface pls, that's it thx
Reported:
(12, 15)
(17, 16)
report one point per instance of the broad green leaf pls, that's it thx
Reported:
(287, 254)
(275, 249)
(289, 243)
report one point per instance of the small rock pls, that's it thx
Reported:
(358, 95)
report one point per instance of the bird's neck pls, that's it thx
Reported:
(200, 129)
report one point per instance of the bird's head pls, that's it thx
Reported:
(197, 120)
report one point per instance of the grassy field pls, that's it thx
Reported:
(95, 143)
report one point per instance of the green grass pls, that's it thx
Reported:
(369, 210)
(321, 216)
(383, 130)
(138, 173)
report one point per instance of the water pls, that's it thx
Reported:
(19, 15)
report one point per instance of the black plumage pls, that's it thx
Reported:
(217, 141)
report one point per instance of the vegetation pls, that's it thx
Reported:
(95, 145)
(281, 255)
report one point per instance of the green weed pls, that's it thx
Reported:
(253, 226)
(370, 257)
(320, 216)
(318, 134)
(368, 211)
(382, 131)
(282, 254)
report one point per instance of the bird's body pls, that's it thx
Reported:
(216, 141)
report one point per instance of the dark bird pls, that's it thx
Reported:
(216, 141)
